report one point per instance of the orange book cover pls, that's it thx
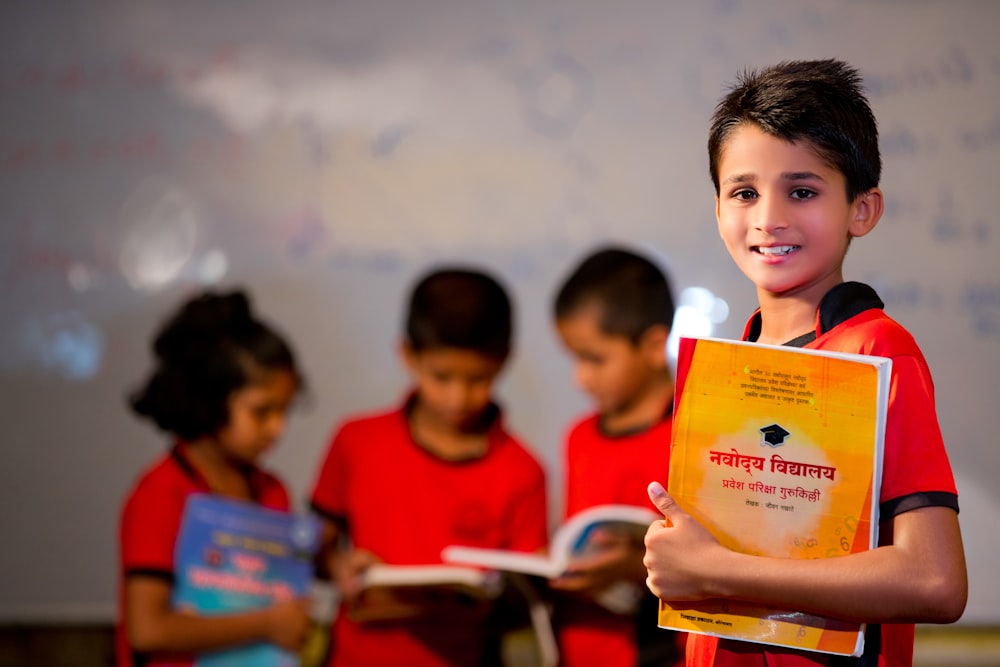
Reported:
(777, 452)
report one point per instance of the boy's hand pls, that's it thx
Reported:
(615, 557)
(289, 623)
(680, 554)
(347, 571)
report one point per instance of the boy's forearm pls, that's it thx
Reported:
(913, 580)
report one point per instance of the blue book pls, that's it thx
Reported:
(236, 556)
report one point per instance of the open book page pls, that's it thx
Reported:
(581, 535)
(573, 538)
(777, 452)
(236, 556)
(475, 582)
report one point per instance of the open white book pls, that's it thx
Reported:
(573, 538)
(581, 535)
(474, 581)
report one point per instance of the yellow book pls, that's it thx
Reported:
(777, 451)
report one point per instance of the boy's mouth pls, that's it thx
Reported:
(774, 250)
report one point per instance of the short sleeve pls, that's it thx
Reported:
(915, 459)
(149, 525)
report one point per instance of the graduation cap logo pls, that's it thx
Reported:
(773, 435)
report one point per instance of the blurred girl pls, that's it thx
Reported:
(221, 387)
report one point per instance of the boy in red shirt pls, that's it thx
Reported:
(614, 314)
(441, 469)
(794, 157)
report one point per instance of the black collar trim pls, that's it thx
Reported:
(840, 304)
(179, 454)
(844, 302)
(488, 422)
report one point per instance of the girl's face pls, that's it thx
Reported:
(257, 415)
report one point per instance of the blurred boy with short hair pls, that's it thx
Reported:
(441, 469)
(613, 315)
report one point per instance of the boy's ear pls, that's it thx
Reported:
(407, 354)
(867, 211)
(653, 344)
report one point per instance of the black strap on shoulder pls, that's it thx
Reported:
(844, 302)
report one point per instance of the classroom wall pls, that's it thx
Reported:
(324, 153)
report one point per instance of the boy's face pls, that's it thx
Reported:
(613, 370)
(784, 216)
(257, 414)
(454, 386)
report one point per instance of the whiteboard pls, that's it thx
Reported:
(322, 154)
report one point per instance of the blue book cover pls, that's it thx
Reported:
(236, 556)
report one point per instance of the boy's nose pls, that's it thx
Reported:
(770, 215)
(583, 377)
(276, 425)
(461, 395)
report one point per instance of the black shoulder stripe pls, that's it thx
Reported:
(153, 573)
(913, 501)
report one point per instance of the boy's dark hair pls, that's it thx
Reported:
(460, 308)
(818, 101)
(210, 348)
(632, 293)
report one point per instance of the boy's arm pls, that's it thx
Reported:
(155, 626)
(919, 578)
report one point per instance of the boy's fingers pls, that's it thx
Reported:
(664, 502)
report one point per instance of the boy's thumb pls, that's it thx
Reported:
(663, 501)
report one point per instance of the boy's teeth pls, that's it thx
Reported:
(776, 250)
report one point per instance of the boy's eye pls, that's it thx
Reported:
(260, 412)
(803, 193)
(745, 194)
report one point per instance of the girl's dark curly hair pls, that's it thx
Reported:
(211, 347)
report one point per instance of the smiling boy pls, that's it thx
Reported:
(794, 158)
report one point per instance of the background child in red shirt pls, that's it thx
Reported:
(222, 386)
(794, 157)
(440, 469)
(613, 314)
